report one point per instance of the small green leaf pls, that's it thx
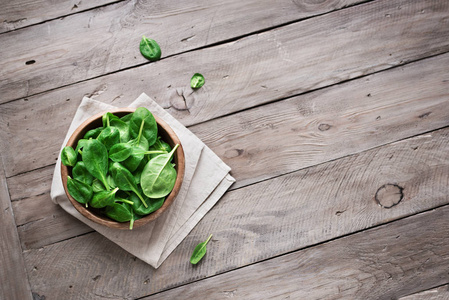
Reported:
(150, 49)
(197, 81)
(68, 156)
(199, 252)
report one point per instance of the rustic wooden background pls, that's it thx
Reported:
(332, 114)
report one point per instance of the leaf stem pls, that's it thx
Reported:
(207, 241)
(125, 201)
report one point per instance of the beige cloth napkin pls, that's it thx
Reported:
(206, 179)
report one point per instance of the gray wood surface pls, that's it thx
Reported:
(439, 293)
(252, 141)
(223, 95)
(13, 277)
(398, 262)
(20, 13)
(312, 205)
(334, 116)
(112, 35)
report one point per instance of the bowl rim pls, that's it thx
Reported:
(180, 164)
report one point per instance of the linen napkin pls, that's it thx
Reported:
(206, 179)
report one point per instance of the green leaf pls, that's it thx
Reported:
(109, 137)
(103, 198)
(143, 123)
(93, 133)
(95, 157)
(125, 180)
(120, 152)
(68, 156)
(150, 49)
(97, 186)
(119, 211)
(197, 81)
(122, 128)
(199, 252)
(141, 210)
(159, 176)
(80, 191)
(80, 173)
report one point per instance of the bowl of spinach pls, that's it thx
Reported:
(122, 168)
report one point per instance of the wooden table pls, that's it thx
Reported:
(333, 116)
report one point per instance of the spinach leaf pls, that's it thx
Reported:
(103, 198)
(120, 152)
(138, 145)
(199, 252)
(159, 145)
(109, 137)
(106, 119)
(95, 157)
(80, 173)
(150, 49)
(97, 186)
(119, 211)
(80, 191)
(93, 133)
(197, 81)
(80, 145)
(122, 128)
(125, 180)
(141, 210)
(68, 156)
(143, 123)
(126, 118)
(159, 176)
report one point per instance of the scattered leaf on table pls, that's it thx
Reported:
(199, 252)
(197, 81)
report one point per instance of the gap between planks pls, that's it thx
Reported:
(425, 177)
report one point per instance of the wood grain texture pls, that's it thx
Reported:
(13, 277)
(107, 39)
(439, 293)
(261, 221)
(369, 112)
(21, 13)
(390, 102)
(251, 144)
(407, 255)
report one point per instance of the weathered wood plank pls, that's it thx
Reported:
(107, 39)
(21, 13)
(249, 83)
(13, 278)
(251, 144)
(40, 222)
(263, 220)
(407, 256)
(439, 293)
(30, 184)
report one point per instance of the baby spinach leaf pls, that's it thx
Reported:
(197, 81)
(159, 145)
(199, 251)
(120, 152)
(68, 156)
(80, 191)
(106, 119)
(143, 123)
(150, 49)
(97, 186)
(111, 181)
(126, 118)
(93, 133)
(103, 198)
(95, 157)
(133, 161)
(80, 173)
(80, 145)
(158, 177)
(125, 180)
(109, 137)
(153, 205)
(119, 211)
(122, 128)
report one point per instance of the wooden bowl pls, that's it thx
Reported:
(167, 134)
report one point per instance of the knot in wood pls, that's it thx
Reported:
(389, 195)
